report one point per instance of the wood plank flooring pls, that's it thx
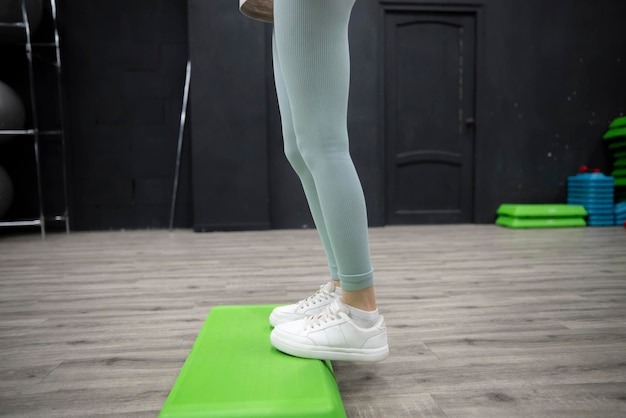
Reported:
(483, 321)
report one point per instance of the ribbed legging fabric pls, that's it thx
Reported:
(312, 73)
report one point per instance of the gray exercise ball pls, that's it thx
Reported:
(12, 114)
(11, 11)
(6, 192)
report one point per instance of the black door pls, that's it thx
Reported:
(429, 116)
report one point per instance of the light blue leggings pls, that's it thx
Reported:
(312, 72)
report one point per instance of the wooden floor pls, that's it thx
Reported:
(483, 321)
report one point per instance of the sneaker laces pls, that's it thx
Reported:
(326, 292)
(331, 313)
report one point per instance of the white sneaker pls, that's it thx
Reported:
(332, 335)
(307, 307)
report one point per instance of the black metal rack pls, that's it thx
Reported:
(34, 132)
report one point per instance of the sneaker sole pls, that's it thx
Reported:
(368, 355)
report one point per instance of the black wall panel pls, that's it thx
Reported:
(365, 123)
(229, 101)
(124, 72)
(551, 79)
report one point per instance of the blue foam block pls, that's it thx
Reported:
(601, 220)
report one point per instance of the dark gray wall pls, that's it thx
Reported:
(550, 76)
(549, 80)
(125, 67)
(229, 98)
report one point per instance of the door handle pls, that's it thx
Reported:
(469, 122)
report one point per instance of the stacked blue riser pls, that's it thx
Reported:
(595, 192)
(620, 213)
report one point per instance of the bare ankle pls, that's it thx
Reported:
(364, 299)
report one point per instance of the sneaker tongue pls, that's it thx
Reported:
(339, 306)
(329, 287)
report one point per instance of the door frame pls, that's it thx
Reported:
(475, 8)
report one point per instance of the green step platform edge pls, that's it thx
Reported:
(526, 223)
(620, 162)
(617, 145)
(233, 371)
(541, 210)
(615, 133)
(620, 181)
(617, 122)
(620, 172)
(620, 154)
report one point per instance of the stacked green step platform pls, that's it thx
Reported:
(616, 139)
(541, 215)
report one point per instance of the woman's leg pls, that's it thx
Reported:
(295, 159)
(322, 298)
(312, 47)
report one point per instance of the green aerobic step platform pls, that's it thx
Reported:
(233, 371)
(541, 215)
(615, 133)
(617, 128)
(617, 145)
(621, 162)
(540, 222)
(541, 210)
(617, 122)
